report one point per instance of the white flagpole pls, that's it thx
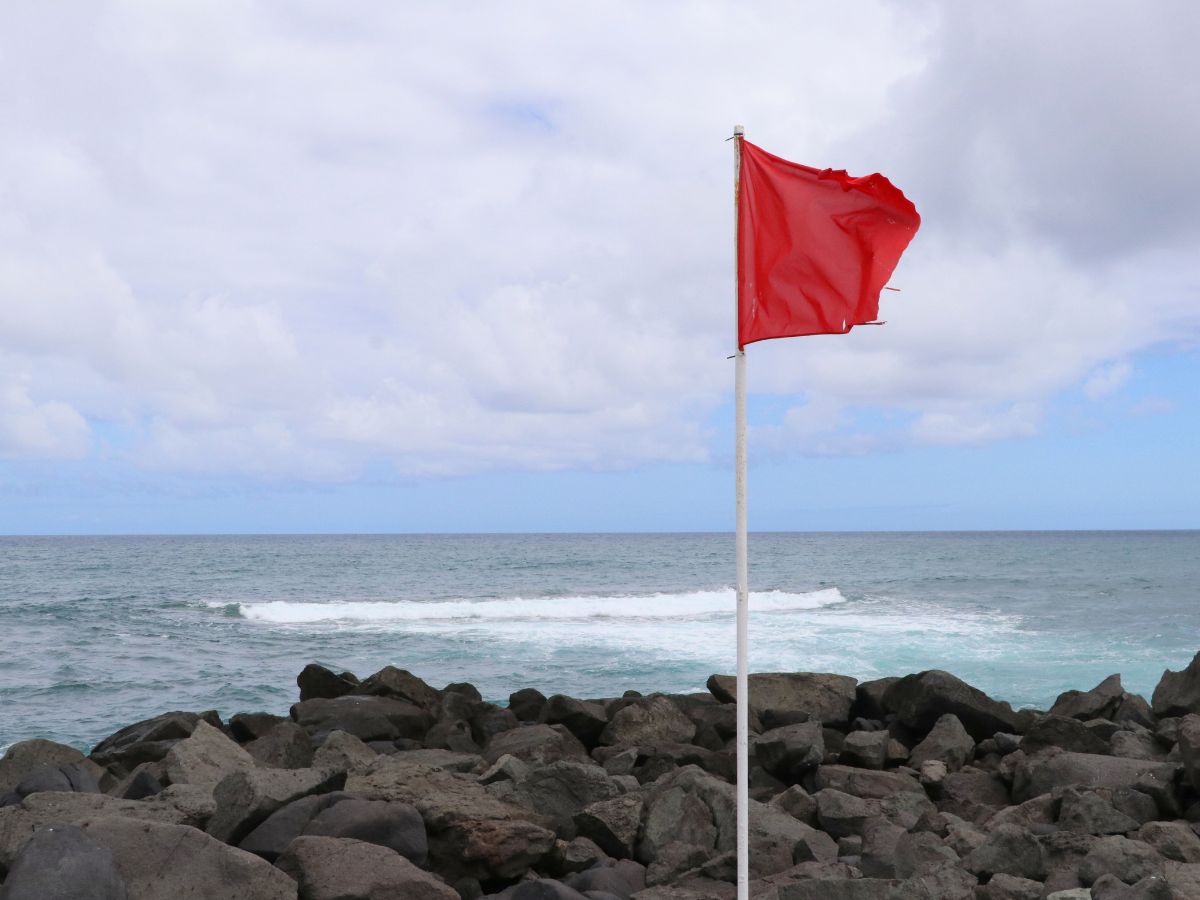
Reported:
(743, 691)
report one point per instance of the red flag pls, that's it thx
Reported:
(815, 248)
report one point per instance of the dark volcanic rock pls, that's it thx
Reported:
(397, 826)
(367, 718)
(1178, 693)
(787, 753)
(947, 742)
(26, 757)
(536, 744)
(867, 749)
(245, 799)
(286, 746)
(612, 824)
(650, 720)
(1042, 773)
(583, 719)
(825, 697)
(327, 868)
(920, 700)
(147, 741)
(317, 682)
(60, 862)
(1100, 702)
(73, 778)
(400, 685)
(527, 704)
(1128, 860)
(1189, 748)
(1064, 733)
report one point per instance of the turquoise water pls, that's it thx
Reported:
(96, 632)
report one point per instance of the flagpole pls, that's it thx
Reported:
(743, 692)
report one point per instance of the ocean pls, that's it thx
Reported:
(98, 632)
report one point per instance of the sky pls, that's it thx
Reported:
(311, 267)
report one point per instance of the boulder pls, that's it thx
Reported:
(73, 778)
(204, 757)
(1042, 773)
(620, 878)
(543, 889)
(246, 727)
(797, 803)
(147, 741)
(1087, 812)
(1010, 850)
(60, 862)
(825, 697)
(1152, 887)
(526, 704)
(674, 859)
(167, 862)
(1188, 738)
(973, 795)
(327, 868)
(649, 720)
(837, 889)
(244, 799)
(342, 752)
(536, 745)
(270, 837)
(1178, 693)
(1064, 733)
(317, 682)
(285, 746)
(866, 749)
(945, 882)
(558, 791)
(947, 742)
(400, 685)
(489, 720)
(920, 700)
(453, 735)
(26, 757)
(842, 815)
(1172, 840)
(397, 826)
(583, 719)
(471, 833)
(1130, 861)
(1010, 887)
(370, 718)
(612, 824)
(1101, 702)
(868, 698)
(865, 783)
(789, 752)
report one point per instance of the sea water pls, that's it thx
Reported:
(98, 632)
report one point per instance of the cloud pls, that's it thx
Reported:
(297, 242)
(1106, 380)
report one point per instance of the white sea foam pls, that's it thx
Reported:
(689, 605)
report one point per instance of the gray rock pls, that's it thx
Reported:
(273, 834)
(1152, 887)
(244, 799)
(26, 757)
(837, 889)
(368, 718)
(947, 743)
(621, 878)
(613, 824)
(167, 862)
(506, 768)
(824, 697)
(866, 749)
(400, 684)
(317, 682)
(342, 752)
(651, 720)
(558, 791)
(1131, 861)
(397, 826)
(536, 745)
(1188, 738)
(327, 868)
(920, 700)
(527, 704)
(1041, 774)
(1010, 850)
(490, 720)
(1087, 812)
(147, 741)
(577, 854)
(204, 757)
(1101, 702)
(673, 859)
(471, 832)
(1178, 693)
(1135, 710)
(841, 815)
(1064, 733)
(1136, 743)
(544, 889)
(59, 862)
(286, 746)
(1010, 887)
(583, 719)
(878, 847)
(1172, 840)
(947, 882)
(72, 778)
(789, 752)
(973, 795)
(865, 783)
(917, 852)
(798, 803)
(676, 815)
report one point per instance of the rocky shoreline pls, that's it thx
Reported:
(909, 788)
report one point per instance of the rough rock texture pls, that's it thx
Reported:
(60, 862)
(168, 862)
(147, 741)
(947, 742)
(328, 868)
(651, 720)
(920, 700)
(1178, 693)
(372, 718)
(315, 681)
(26, 757)
(245, 798)
(822, 696)
(204, 757)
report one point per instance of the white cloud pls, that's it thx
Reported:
(291, 241)
(1107, 379)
